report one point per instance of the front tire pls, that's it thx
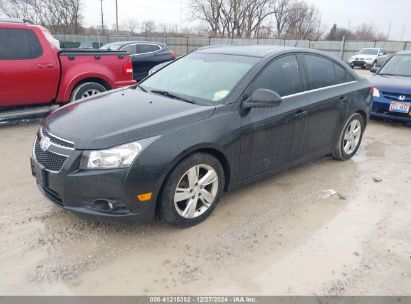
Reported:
(350, 138)
(192, 190)
(87, 89)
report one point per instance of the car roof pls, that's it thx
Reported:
(260, 51)
(406, 52)
(124, 43)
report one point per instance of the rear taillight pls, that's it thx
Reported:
(174, 54)
(128, 68)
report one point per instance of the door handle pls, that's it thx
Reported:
(342, 98)
(45, 65)
(300, 114)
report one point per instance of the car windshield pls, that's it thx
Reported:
(112, 46)
(368, 52)
(204, 78)
(399, 65)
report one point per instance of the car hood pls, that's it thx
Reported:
(120, 117)
(393, 84)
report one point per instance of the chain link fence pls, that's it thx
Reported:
(183, 45)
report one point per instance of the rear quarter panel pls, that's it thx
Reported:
(108, 68)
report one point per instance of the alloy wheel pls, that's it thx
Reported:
(352, 136)
(90, 93)
(196, 191)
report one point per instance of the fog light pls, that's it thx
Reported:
(144, 197)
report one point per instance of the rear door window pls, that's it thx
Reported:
(282, 76)
(131, 49)
(341, 74)
(321, 72)
(17, 44)
(154, 48)
(143, 48)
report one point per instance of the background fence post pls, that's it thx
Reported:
(187, 43)
(209, 40)
(405, 45)
(342, 48)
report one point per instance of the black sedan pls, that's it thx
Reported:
(209, 122)
(144, 55)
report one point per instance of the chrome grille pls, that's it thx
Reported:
(396, 96)
(57, 140)
(51, 161)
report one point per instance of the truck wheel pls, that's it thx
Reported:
(87, 89)
(192, 190)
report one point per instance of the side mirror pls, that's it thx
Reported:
(374, 70)
(263, 98)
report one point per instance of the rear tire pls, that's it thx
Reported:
(87, 89)
(192, 190)
(350, 138)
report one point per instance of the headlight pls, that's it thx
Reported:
(369, 59)
(375, 92)
(117, 157)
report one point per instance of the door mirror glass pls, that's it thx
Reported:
(263, 98)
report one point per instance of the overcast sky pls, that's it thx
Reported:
(342, 12)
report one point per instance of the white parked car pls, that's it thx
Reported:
(368, 58)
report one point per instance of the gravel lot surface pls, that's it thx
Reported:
(325, 228)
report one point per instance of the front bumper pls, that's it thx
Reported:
(380, 109)
(361, 63)
(100, 195)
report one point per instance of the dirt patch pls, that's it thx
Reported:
(326, 227)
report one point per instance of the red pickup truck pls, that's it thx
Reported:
(35, 71)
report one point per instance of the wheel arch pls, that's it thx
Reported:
(364, 116)
(89, 80)
(65, 96)
(92, 79)
(217, 153)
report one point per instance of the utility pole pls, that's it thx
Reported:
(389, 31)
(181, 13)
(102, 17)
(116, 18)
(403, 32)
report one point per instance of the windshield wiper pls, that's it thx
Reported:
(171, 95)
(141, 88)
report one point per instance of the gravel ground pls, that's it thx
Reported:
(325, 228)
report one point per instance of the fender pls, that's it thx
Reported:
(75, 75)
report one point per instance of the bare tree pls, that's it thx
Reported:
(131, 24)
(304, 22)
(210, 11)
(148, 27)
(367, 31)
(282, 10)
(60, 16)
(163, 28)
